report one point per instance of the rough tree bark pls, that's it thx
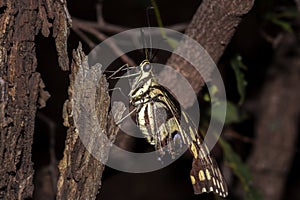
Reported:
(277, 116)
(21, 85)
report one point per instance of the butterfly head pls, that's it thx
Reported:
(142, 82)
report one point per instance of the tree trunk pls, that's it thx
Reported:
(277, 116)
(21, 86)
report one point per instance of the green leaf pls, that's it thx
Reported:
(238, 67)
(283, 24)
(213, 90)
(241, 170)
(206, 97)
(233, 114)
(173, 43)
(281, 18)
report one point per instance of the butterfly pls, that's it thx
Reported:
(158, 116)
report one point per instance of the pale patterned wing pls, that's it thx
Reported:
(160, 121)
(205, 174)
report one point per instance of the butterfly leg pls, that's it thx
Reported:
(121, 120)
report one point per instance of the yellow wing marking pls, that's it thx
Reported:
(201, 175)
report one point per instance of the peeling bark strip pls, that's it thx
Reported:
(56, 10)
(80, 173)
(213, 26)
(19, 86)
(62, 23)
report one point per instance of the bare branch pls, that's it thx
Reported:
(90, 27)
(96, 28)
(213, 26)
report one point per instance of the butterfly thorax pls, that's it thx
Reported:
(142, 84)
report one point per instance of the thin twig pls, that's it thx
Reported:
(87, 40)
(81, 27)
(111, 28)
(235, 135)
(90, 28)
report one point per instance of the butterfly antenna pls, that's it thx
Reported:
(144, 44)
(149, 27)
